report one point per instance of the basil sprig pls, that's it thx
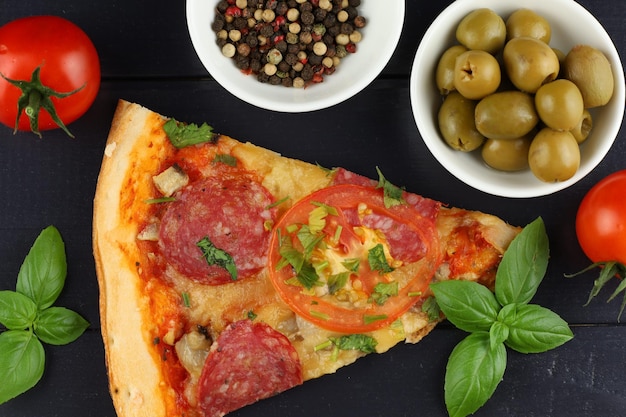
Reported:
(497, 321)
(30, 318)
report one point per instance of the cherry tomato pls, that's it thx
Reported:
(601, 220)
(348, 292)
(59, 54)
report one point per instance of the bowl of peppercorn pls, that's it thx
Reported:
(294, 55)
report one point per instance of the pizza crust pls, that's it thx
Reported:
(134, 373)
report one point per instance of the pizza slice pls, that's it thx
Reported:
(229, 273)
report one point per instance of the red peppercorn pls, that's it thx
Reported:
(278, 22)
(351, 47)
(317, 78)
(278, 38)
(315, 2)
(233, 11)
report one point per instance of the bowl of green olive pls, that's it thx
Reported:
(513, 98)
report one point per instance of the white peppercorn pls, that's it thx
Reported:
(234, 35)
(355, 36)
(229, 50)
(319, 48)
(342, 39)
(270, 69)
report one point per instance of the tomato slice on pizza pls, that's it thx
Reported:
(344, 260)
(229, 273)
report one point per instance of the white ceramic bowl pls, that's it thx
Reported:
(357, 71)
(571, 24)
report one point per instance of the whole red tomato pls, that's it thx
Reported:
(601, 220)
(59, 54)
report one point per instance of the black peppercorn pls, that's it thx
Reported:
(222, 5)
(281, 8)
(307, 17)
(320, 15)
(218, 23)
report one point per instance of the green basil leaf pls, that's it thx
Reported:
(21, 363)
(498, 333)
(42, 275)
(523, 265)
(59, 326)
(468, 305)
(473, 373)
(534, 329)
(17, 312)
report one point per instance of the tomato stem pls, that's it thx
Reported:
(36, 96)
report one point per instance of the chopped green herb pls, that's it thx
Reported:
(377, 260)
(351, 264)
(337, 281)
(309, 240)
(252, 315)
(382, 292)
(216, 256)
(182, 135)
(159, 200)
(329, 209)
(323, 345)
(372, 319)
(317, 219)
(431, 308)
(337, 234)
(364, 343)
(307, 276)
(290, 256)
(278, 203)
(186, 302)
(225, 159)
(319, 315)
(392, 194)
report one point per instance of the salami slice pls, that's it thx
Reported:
(251, 361)
(229, 211)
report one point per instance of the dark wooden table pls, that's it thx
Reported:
(147, 57)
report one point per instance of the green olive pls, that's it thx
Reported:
(530, 63)
(482, 29)
(456, 123)
(559, 104)
(553, 155)
(506, 115)
(583, 127)
(525, 22)
(506, 154)
(591, 71)
(476, 74)
(445, 68)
